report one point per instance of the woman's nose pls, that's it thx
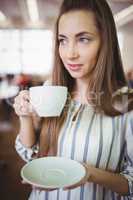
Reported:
(72, 51)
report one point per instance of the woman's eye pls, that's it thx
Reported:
(84, 40)
(62, 41)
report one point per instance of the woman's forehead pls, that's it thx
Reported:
(77, 21)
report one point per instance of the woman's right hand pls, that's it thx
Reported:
(22, 104)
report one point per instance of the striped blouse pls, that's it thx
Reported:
(103, 141)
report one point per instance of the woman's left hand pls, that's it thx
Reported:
(82, 181)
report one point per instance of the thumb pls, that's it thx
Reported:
(24, 182)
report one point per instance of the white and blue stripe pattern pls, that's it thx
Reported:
(103, 141)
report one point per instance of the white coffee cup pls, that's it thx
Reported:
(48, 101)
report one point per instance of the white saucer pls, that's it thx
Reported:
(52, 172)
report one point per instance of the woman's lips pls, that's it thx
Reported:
(74, 67)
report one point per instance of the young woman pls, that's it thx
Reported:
(90, 129)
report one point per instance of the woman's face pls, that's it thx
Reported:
(79, 42)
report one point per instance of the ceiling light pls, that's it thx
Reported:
(33, 10)
(124, 16)
(2, 16)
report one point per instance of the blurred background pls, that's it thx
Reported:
(26, 46)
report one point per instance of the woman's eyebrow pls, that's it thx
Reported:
(62, 36)
(84, 33)
(77, 34)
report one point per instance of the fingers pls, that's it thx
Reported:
(38, 188)
(44, 189)
(87, 175)
(22, 98)
(73, 186)
(24, 182)
(22, 104)
(80, 183)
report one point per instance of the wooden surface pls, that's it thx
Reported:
(11, 187)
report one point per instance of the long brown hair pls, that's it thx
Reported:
(106, 77)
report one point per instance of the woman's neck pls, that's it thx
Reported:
(80, 91)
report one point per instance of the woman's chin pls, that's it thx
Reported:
(76, 76)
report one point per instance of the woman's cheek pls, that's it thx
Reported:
(61, 52)
(62, 56)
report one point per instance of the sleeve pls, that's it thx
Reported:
(127, 170)
(27, 154)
